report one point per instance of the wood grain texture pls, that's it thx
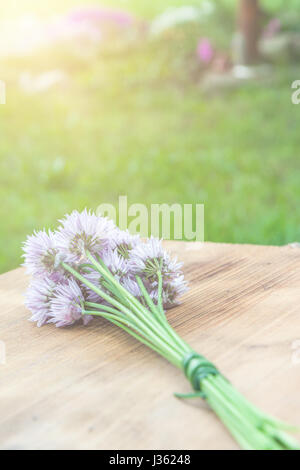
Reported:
(97, 388)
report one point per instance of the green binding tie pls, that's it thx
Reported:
(196, 369)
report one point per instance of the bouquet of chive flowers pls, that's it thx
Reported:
(89, 268)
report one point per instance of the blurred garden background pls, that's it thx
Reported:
(149, 99)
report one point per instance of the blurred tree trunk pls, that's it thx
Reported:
(249, 16)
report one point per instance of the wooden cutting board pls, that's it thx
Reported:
(97, 388)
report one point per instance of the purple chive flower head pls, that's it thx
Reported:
(148, 258)
(81, 232)
(55, 296)
(118, 267)
(117, 264)
(171, 292)
(38, 298)
(96, 279)
(41, 255)
(66, 305)
(125, 242)
(133, 288)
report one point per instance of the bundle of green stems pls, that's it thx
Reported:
(146, 321)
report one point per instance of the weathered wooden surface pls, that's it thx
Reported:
(96, 387)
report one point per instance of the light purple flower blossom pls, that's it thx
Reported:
(133, 288)
(117, 265)
(148, 258)
(84, 231)
(56, 297)
(96, 279)
(37, 299)
(125, 242)
(171, 292)
(66, 305)
(41, 255)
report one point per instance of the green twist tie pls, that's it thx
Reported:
(196, 369)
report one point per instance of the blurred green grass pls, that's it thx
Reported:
(135, 124)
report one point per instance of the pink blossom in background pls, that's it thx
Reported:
(29, 34)
(205, 51)
(101, 15)
(272, 28)
(89, 23)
